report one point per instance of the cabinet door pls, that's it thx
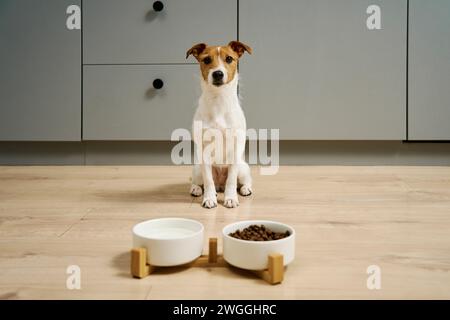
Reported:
(319, 73)
(120, 102)
(125, 32)
(40, 77)
(429, 70)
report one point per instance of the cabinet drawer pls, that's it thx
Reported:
(120, 102)
(123, 32)
(429, 70)
(319, 73)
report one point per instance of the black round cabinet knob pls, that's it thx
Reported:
(158, 83)
(158, 6)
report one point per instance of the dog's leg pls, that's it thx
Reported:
(245, 179)
(209, 195)
(197, 181)
(231, 197)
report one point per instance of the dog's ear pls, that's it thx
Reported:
(196, 50)
(239, 48)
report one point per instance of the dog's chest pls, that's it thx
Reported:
(218, 111)
(219, 122)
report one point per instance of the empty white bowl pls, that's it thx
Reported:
(253, 255)
(169, 241)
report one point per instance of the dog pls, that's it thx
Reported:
(219, 109)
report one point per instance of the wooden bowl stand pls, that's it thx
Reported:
(273, 274)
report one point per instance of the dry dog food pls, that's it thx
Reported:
(258, 233)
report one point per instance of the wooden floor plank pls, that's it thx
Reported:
(346, 219)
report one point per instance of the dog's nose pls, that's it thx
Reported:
(217, 75)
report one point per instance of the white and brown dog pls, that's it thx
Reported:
(219, 109)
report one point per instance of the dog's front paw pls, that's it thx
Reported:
(232, 202)
(196, 190)
(245, 190)
(209, 201)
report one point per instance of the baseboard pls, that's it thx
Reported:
(159, 153)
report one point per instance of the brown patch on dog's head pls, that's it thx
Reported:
(240, 48)
(218, 64)
(196, 50)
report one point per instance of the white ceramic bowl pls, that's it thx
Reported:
(252, 255)
(169, 241)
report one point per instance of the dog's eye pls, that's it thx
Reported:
(207, 60)
(229, 59)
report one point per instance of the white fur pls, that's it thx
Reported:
(219, 108)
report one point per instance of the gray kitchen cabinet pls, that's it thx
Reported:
(121, 103)
(318, 73)
(429, 70)
(128, 32)
(40, 77)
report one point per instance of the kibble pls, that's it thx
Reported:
(258, 233)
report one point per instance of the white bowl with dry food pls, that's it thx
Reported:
(252, 253)
(169, 241)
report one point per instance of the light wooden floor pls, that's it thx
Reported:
(347, 218)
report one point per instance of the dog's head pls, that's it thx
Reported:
(218, 64)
